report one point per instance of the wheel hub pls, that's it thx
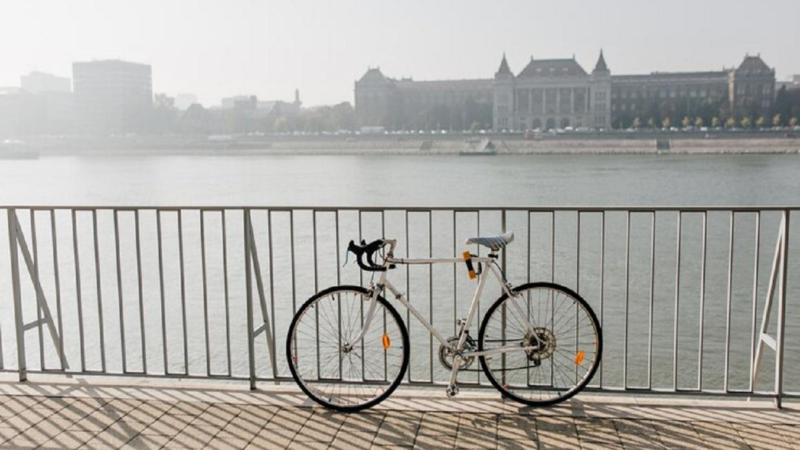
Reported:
(544, 344)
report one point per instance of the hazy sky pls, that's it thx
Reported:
(216, 48)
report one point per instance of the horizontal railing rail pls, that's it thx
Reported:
(692, 300)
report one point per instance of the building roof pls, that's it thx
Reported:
(753, 64)
(504, 69)
(552, 68)
(409, 85)
(716, 76)
(601, 63)
(111, 63)
(373, 75)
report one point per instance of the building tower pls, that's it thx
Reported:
(503, 87)
(600, 94)
(751, 87)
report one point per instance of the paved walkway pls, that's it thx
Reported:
(89, 416)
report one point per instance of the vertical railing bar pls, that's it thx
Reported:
(251, 359)
(430, 287)
(339, 302)
(22, 368)
(99, 291)
(552, 278)
(478, 216)
(651, 301)
(338, 282)
(577, 285)
(119, 292)
(224, 218)
(291, 243)
(361, 279)
(338, 249)
(272, 287)
(627, 298)
(455, 278)
(677, 303)
(78, 293)
(528, 278)
(314, 243)
(57, 280)
(553, 246)
(779, 341)
(385, 356)
(183, 295)
(701, 331)
(756, 254)
(316, 310)
(36, 282)
(141, 294)
(728, 303)
(408, 287)
(205, 290)
(602, 278)
(161, 284)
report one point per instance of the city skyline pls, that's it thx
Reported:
(216, 51)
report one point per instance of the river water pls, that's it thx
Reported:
(407, 181)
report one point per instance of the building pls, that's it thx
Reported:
(559, 93)
(38, 82)
(262, 108)
(112, 96)
(552, 93)
(20, 112)
(422, 105)
(56, 102)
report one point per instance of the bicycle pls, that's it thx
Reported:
(538, 344)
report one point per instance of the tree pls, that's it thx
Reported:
(793, 121)
(475, 127)
(760, 122)
(686, 122)
(715, 122)
(746, 122)
(280, 125)
(637, 123)
(698, 122)
(666, 123)
(776, 120)
(651, 123)
(730, 123)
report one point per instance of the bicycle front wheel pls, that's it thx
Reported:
(559, 338)
(330, 366)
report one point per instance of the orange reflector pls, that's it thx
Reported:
(468, 258)
(386, 341)
(579, 357)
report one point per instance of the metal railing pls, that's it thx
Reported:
(189, 292)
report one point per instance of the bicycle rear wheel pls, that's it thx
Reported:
(562, 344)
(327, 368)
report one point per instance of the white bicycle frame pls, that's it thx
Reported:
(487, 262)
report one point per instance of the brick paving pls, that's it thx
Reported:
(44, 422)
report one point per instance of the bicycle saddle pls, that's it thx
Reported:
(493, 242)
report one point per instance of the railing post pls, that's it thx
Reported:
(249, 282)
(779, 350)
(18, 323)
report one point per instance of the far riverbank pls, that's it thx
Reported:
(420, 145)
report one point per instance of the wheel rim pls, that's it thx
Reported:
(332, 370)
(558, 362)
